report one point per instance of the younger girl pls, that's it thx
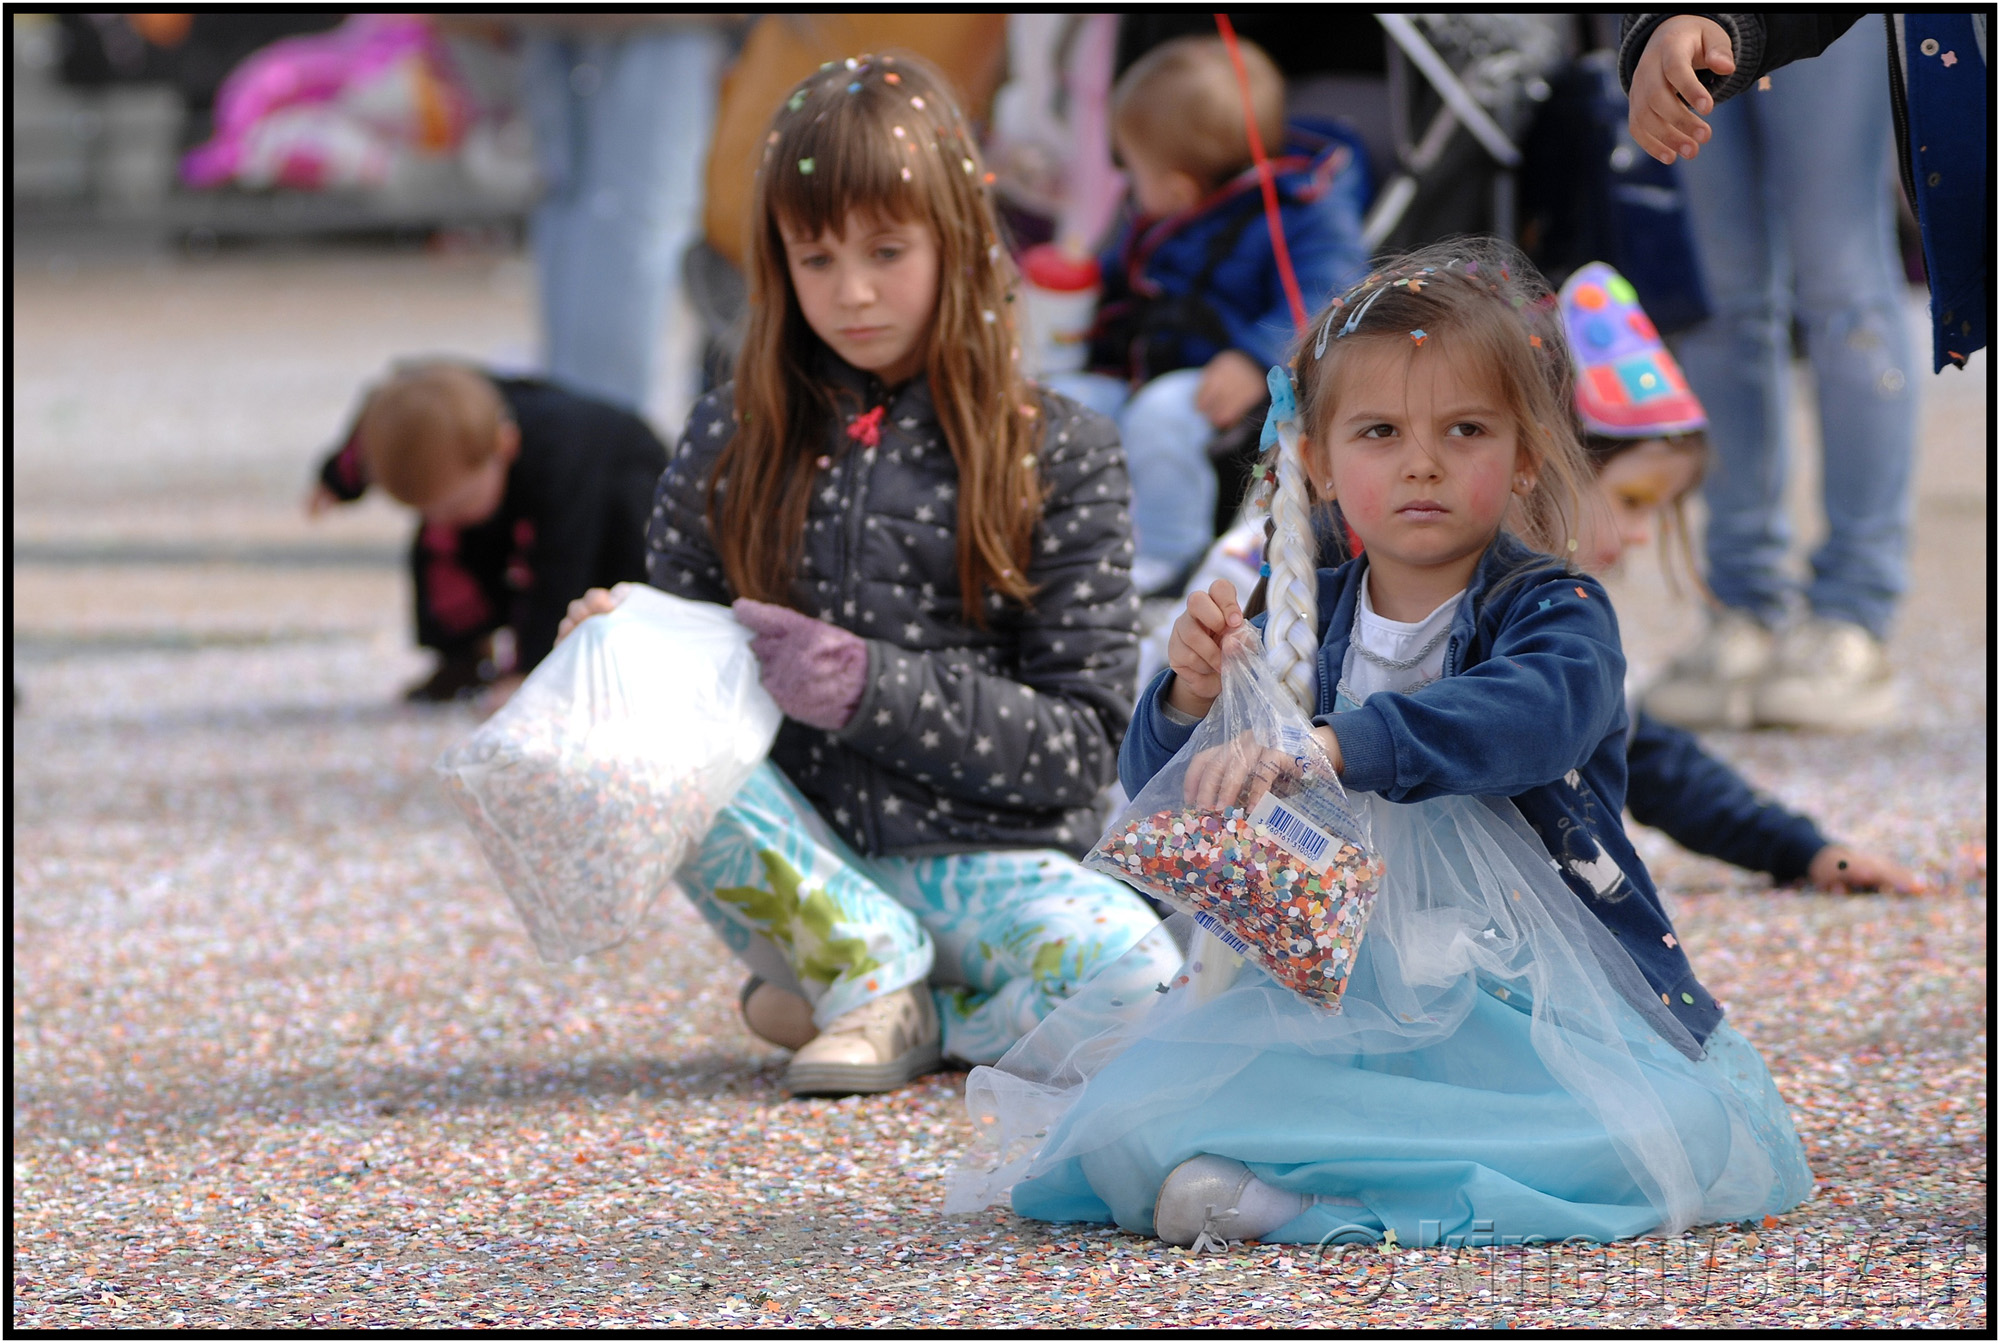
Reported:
(1647, 452)
(1523, 1049)
(935, 559)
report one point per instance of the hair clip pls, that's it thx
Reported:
(1419, 336)
(1326, 328)
(1355, 321)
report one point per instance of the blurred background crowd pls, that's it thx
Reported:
(615, 153)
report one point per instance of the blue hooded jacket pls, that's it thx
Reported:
(1531, 707)
(1192, 285)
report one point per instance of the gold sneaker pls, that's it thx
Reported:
(877, 1047)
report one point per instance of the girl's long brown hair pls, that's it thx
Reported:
(881, 136)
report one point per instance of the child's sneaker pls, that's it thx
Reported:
(778, 1015)
(1216, 1197)
(877, 1047)
(1713, 684)
(1827, 674)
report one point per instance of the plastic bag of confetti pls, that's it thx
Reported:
(1249, 832)
(588, 788)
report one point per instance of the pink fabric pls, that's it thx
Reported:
(815, 671)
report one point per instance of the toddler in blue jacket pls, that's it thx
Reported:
(1193, 309)
(1523, 1049)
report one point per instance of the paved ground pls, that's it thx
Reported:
(282, 1055)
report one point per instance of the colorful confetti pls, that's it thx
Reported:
(1274, 887)
(283, 1059)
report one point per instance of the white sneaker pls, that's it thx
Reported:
(1713, 684)
(1828, 674)
(1216, 1198)
(877, 1047)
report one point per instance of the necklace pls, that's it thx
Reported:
(1393, 664)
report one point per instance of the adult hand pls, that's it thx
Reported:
(1841, 869)
(1667, 94)
(815, 671)
(1194, 648)
(596, 602)
(1230, 387)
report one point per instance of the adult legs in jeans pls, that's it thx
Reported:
(1166, 451)
(621, 126)
(1792, 215)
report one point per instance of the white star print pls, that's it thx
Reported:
(982, 745)
(912, 632)
(928, 700)
(883, 718)
(930, 740)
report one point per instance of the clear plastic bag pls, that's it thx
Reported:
(590, 786)
(1248, 830)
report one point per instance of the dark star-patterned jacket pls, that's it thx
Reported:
(964, 739)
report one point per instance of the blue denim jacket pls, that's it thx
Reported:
(1531, 706)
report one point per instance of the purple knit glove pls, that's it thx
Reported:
(815, 671)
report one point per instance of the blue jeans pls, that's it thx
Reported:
(1166, 451)
(621, 126)
(1792, 215)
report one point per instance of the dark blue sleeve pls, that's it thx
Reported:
(1707, 807)
(1536, 707)
(1152, 740)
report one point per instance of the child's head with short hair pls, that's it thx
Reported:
(1177, 119)
(438, 437)
(865, 148)
(1466, 329)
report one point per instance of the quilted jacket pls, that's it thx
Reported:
(964, 739)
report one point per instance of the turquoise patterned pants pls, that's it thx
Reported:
(1002, 935)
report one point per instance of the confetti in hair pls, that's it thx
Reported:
(806, 166)
(1419, 336)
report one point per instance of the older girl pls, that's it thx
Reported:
(936, 560)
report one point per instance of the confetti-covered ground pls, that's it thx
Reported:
(283, 1056)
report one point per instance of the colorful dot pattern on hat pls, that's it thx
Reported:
(1627, 385)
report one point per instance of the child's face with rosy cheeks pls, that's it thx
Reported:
(869, 291)
(1424, 461)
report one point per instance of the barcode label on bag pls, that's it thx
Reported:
(1292, 830)
(1223, 935)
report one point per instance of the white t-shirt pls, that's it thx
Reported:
(1395, 641)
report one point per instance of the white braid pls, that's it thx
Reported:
(1291, 646)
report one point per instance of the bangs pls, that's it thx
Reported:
(843, 143)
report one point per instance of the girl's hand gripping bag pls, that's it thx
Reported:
(1249, 831)
(609, 764)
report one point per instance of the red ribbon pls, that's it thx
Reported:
(866, 429)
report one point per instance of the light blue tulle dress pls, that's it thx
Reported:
(1499, 1069)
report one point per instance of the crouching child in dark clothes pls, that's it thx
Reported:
(529, 494)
